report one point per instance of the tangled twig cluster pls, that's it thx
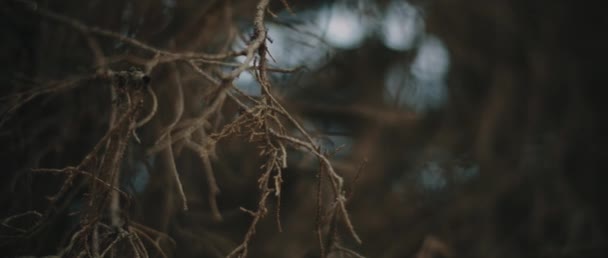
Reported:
(105, 226)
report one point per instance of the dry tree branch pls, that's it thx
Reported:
(318, 223)
(261, 211)
(197, 123)
(259, 37)
(270, 100)
(178, 103)
(262, 123)
(351, 253)
(104, 191)
(139, 244)
(167, 155)
(337, 181)
(214, 189)
(120, 236)
(75, 237)
(73, 171)
(286, 4)
(6, 222)
(150, 231)
(22, 98)
(150, 115)
(252, 67)
(164, 55)
(351, 190)
(154, 243)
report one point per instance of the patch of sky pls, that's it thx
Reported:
(246, 83)
(401, 25)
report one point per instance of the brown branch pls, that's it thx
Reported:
(214, 189)
(348, 251)
(120, 236)
(318, 223)
(22, 98)
(167, 155)
(148, 117)
(73, 171)
(355, 179)
(178, 104)
(337, 181)
(165, 56)
(5, 222)
(262, 123)
(152, 242)
(257, 41)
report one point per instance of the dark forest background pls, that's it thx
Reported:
(480, 135)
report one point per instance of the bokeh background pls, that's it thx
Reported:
(481, 124)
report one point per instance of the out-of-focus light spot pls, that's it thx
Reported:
(464, 174)
(423, 87)
(407, 91)
(401, 25)
(141, 178)
(344, 27)
(423, 95)
(142, 175)
(432, 177)
(395, 80)
(432, 61)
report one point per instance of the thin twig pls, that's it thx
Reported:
(168, 157)
(148, 117)
(79, 26)
(214, 189)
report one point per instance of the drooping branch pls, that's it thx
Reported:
(264, 121)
